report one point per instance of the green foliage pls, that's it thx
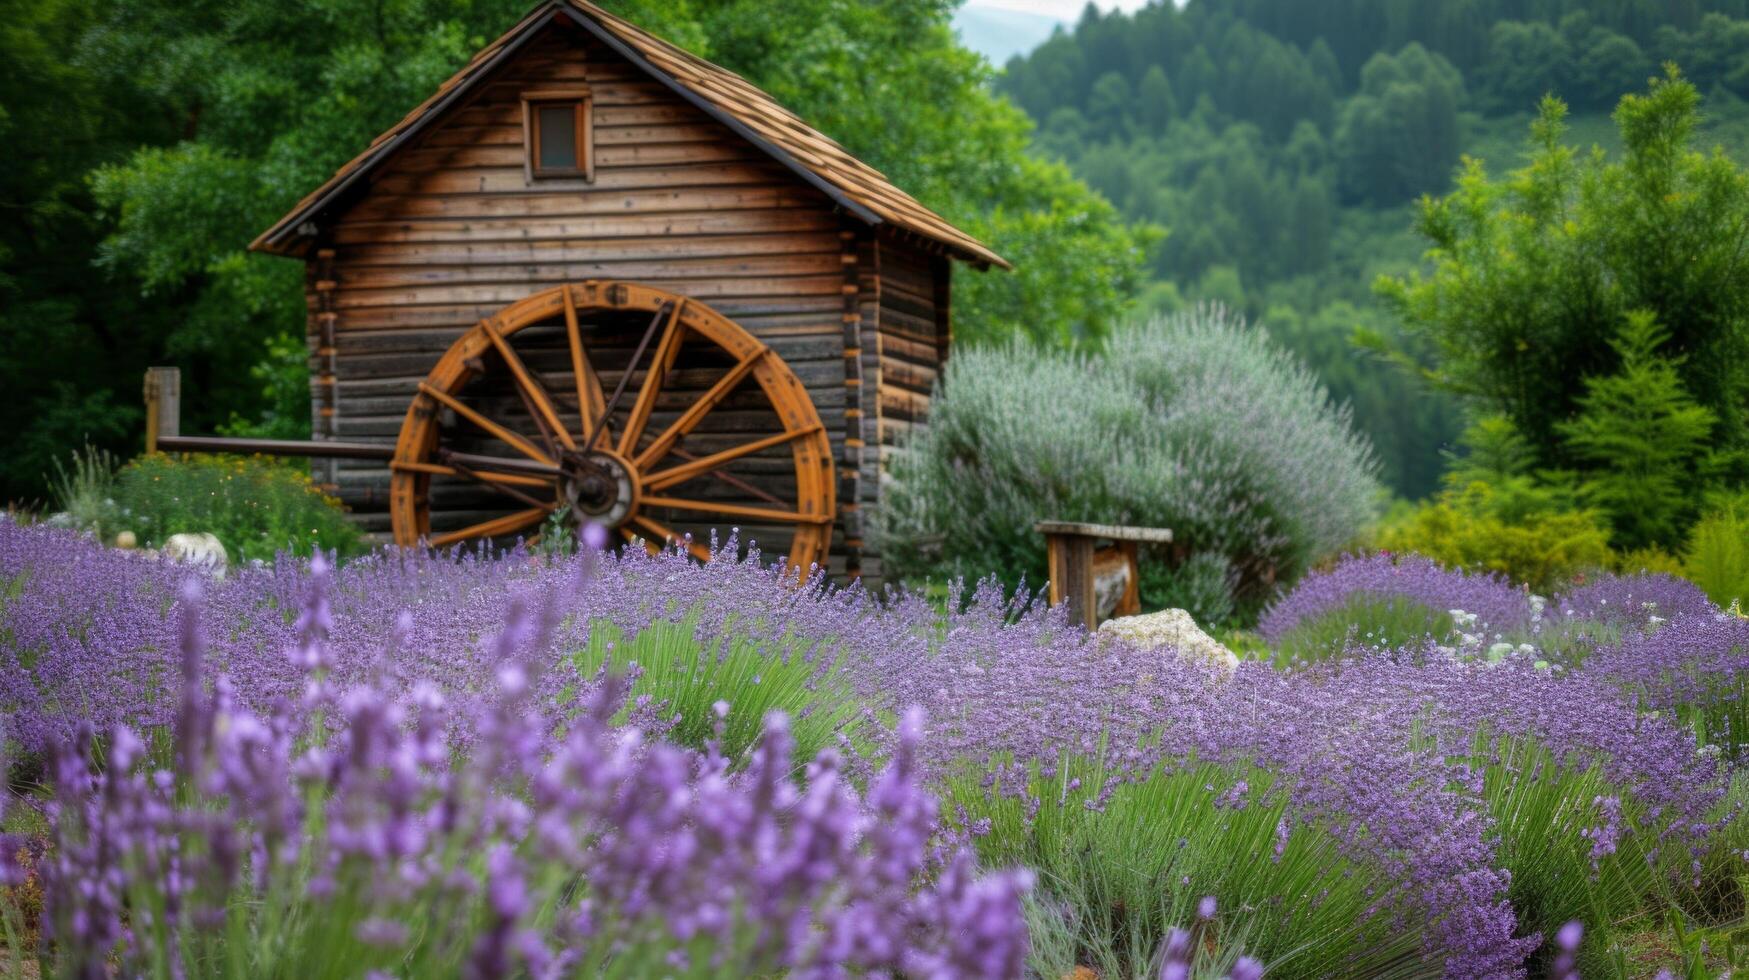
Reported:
(1540, 809)
(1496, 515)
(71, 347)
(284, 376)
(685, 675)
(255, 507)
(1524, 270)
(83, 491)
(1195, 422)
(1399, 135)
(1203, 584)
(1717, 557)
(1118, 879)
(1464, 529)
(1643, 437)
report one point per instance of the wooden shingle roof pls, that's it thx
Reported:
(814, 157)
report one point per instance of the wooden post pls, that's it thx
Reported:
(163, 404)
(1077, 565)
(1070, 558)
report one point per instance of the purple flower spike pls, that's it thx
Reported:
(1566, 964)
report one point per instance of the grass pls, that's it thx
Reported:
(680, 677)
(1541, 810)
(1112, 884)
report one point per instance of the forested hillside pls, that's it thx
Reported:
(1281, 145)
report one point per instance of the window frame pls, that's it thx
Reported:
(583, 132)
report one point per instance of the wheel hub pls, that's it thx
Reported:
(599, 486)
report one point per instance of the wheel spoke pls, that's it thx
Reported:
(668, 536)
(664, 479)
(532, 390)
(735, 510)
(508, 491)
(625, 376)
(696, 412)
(507, 463)
(507, 479)
(508, 524)
(546, 433)
(590, 405)
(516, 442)
(660, 363)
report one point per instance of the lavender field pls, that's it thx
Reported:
(420, 764)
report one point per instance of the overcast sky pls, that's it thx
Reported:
(1060, 9)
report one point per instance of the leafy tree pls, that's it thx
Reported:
(1525, 62)
(1644, 438)
(1399, 136)
(1110, 105)
(1526, 271)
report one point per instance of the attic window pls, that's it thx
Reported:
(557, 134)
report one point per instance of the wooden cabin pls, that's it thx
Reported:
(586, 211)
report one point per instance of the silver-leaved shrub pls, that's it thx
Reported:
(1195, 422)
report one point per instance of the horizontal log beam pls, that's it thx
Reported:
(274, 447)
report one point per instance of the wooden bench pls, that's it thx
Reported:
(1082, 555)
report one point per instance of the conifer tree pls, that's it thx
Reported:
(1645, 435)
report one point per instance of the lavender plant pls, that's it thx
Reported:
(1132, 863)
(341, 833)
(1390, 601)
(1374, 759)
(1195, 422)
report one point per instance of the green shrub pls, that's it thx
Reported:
(1644, 436)
(1463, 529)
(1203, 584)
(1497, 515)
(85, 490)
(1717, 558)
(1120, 879)
(256, 507)
(1193, 422)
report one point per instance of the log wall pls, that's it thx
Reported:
(915, 330)
(451, 231)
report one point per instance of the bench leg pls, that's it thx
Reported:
(1131, 603)
(1070, 559)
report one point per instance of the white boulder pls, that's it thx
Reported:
(1171, 628)
(200, 550)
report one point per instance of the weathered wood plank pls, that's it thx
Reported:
(607, 228)
(472, 181)
(553, 273)
(540, 203)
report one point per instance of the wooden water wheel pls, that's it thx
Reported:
(619, 404)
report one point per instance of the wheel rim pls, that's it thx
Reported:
(706, 428)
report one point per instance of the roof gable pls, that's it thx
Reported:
(731, 100)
